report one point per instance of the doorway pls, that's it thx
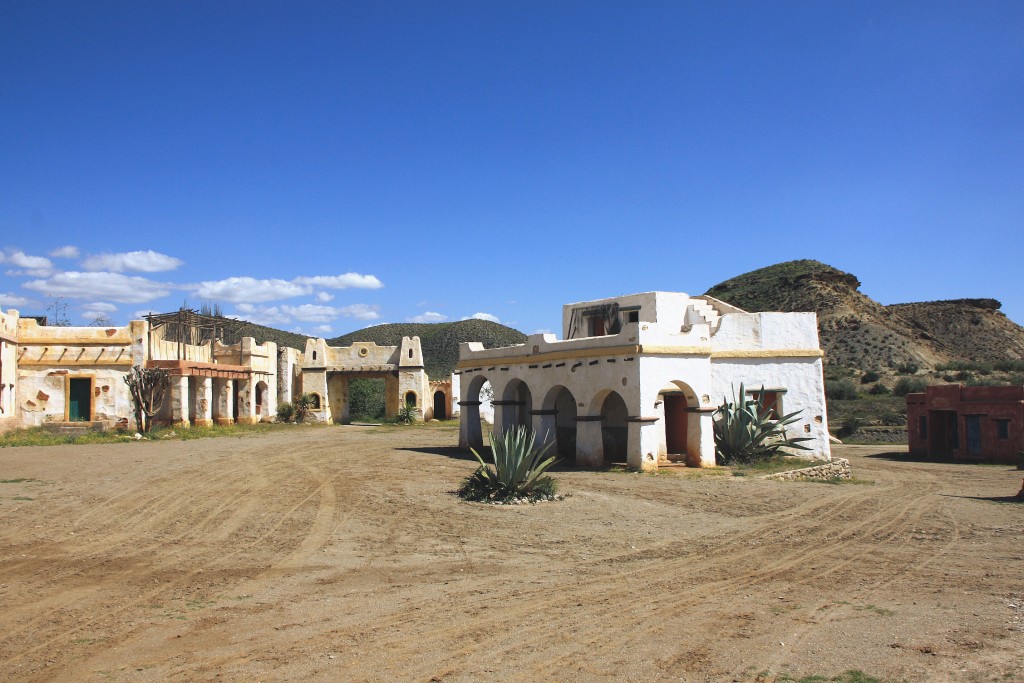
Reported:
(79, 399)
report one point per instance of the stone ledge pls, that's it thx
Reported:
(839, 468)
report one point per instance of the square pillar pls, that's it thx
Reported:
(203, 402)
(543, 425)
(589, 441)
(223, 402)
(470, 431)
(645, 442)
(179, 400)
(246, 401)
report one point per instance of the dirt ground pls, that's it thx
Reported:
(339, 553)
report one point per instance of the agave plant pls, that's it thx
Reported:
(517, 472)
(745, 430)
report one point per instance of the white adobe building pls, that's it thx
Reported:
(637, 378)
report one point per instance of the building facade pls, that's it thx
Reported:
(983, 424)
(637, 379)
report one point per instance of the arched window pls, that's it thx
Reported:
(316, 401)
(410, 399)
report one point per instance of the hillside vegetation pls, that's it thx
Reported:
(858, 332)
(440, 341)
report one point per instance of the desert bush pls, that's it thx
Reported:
(909, 385)
(285, 411)
(907, 368)
(1009, 365)
(746, 432)
(879, 389)
(303, 407)
(869, 377)
(841, 390)
(518, 470)
(406, 415)
(850, 425)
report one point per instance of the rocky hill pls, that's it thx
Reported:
(440, 341)
(858, 332)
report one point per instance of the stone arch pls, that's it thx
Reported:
(516, 405)
(681, 422)
(470, 418)
(614, 427)
(559, 411)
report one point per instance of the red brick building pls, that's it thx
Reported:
(967, 423)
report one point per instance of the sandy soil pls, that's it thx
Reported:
(340, 554)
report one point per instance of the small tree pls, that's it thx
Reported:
(148, 387)
(746, 432)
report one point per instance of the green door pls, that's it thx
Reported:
(79, 401)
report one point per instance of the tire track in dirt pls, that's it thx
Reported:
(57, 613)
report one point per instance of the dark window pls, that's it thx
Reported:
(633, 316)
(973, 424)
(1002, 429)
(410, 399)
(770, 402)
(922, 427)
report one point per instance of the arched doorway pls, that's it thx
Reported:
(682, 423)
(676, 421)
(614, 428)
(440, 405)
(517, 405)
(261, 400)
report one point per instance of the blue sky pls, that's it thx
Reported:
(321, 166)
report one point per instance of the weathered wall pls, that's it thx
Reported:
(49, 358)
(8, 370)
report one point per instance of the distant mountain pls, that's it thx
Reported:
(440, 341)
(857, 331)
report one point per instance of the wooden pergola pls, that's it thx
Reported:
(186, 326)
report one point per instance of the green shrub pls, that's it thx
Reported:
(406, 414)
(879, 389)
(303, 407)
(869, 377)
(366, 399)
(909, 385)
(1009, 365)
(517, 472)
(849, 426)
(907, 368)
(285, 411)
(746, 432)
(841, 390)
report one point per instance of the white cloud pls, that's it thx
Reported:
(428, 317)
(543, 330)
(360, 311)
(114, 286)
(324, 297)
(139, 315)
(102, 307)
(8, 299)
(326, 329)
(148, 261)
(484, 316)
(311, 313)
(68, 251)
(345, 281)
(33, 266)
(249, 290)
(271, 316)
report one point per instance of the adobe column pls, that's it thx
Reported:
(179, 400)
(204, 402)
